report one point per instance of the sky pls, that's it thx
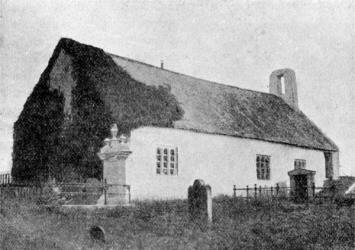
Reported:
(233, 42)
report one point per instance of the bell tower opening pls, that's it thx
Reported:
(283, 84)
(282, 81)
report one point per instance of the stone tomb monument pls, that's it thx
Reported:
(114, 154)
(200, 201)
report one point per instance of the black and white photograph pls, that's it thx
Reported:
(175, 124)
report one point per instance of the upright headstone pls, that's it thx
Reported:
(114, 155)
(200, 201)
(97, 234)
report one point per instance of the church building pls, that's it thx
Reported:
(178, 128)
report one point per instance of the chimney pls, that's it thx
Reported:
(161, 64)
(283, 84)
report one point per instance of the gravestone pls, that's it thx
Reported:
(97, 233)
(200, 201)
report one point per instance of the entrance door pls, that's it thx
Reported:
(301, 190)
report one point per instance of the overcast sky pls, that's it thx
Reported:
(237, 43)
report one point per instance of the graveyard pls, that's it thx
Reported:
(103, 215)
(170, 125)
(236, 224)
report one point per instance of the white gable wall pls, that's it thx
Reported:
(221, 161)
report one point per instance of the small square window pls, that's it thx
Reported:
(300, 164)
(167, 160)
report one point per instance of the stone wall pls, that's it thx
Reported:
(221, 161)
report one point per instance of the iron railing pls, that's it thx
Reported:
(312, 192)
(68, 190)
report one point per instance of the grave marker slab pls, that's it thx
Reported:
(97, 233)
(200, 201)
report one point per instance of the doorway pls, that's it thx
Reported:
(300, 182)
(301, 187)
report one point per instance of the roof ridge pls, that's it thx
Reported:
(186, 75)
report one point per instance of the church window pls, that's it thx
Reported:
(166, 163)
(300, 163)
(263, 167)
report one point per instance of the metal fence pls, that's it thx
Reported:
(93, 190)
(78, 192)
(261, 191)
(5, 179)
(22, 192)
(278, 192)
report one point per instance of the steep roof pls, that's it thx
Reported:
(221, 109)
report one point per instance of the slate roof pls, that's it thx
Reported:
(215, 108)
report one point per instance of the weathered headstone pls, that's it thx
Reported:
(97, 233)
(200, 201)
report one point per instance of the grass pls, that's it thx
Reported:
(166, 225)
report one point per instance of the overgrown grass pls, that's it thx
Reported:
(237, 224)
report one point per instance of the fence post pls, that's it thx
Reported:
(1, 198)
(272, 192)
(129, 193)
(234, 191)
(277, 189)
(105, 191)
(313, 190)
(247, 192)
(255, 190)
(259, 191)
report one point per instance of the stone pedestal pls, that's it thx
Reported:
(114, 154)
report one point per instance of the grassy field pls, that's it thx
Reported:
(166, 225)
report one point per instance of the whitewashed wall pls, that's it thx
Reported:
(220, 161)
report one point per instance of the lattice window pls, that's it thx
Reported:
(300, 163)
(263, 167)
(167, 161)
